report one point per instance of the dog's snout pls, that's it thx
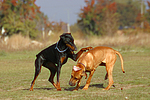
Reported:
(71, 83)
(74, 47)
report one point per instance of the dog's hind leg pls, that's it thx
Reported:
(53, 69)
(38, 63)
(109, 69)
(51, 78)
(106, 76)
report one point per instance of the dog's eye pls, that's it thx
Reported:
(71, 76)
(76, 78)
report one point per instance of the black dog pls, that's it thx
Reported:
(55, 56)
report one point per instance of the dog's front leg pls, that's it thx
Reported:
(88, 80)
(78, 85)
(58, 75)
(76, 56)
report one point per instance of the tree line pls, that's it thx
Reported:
(24, 17)
(104, 17)
(100, 17)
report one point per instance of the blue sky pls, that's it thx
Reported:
(61, 10)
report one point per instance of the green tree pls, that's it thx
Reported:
(128, 12)
(86, 22)
(98, 17)
(19, 16)
(148, 12)
(146, 19)
(107, 18)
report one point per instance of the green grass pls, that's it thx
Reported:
(17, 71)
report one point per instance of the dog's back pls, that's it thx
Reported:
(49, 53)
(96, 56)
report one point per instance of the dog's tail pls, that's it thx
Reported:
(121, 58)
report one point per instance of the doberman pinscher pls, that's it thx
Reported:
(55, 56)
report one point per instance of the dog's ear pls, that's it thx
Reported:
(62, 36)
(75, 68)
(84, 74)
(65, 34)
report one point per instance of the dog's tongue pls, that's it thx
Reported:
(75, 68)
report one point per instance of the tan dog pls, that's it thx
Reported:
(90, 60)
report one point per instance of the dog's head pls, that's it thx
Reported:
(77, 73)
(69, 41)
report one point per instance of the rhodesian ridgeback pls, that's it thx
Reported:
(90, 60)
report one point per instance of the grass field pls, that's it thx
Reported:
(17, 71)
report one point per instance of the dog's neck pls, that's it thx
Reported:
(61, 46)
(82, 65)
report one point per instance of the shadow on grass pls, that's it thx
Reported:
(81, 87)
(67, 89)
(40, 89)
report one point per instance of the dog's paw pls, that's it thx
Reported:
(59, 89)
(75, 89)
(31, 89)
(84, 49)
(84, 88)
(105, 89)
(88, 48)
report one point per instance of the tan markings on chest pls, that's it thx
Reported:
(62, 59)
